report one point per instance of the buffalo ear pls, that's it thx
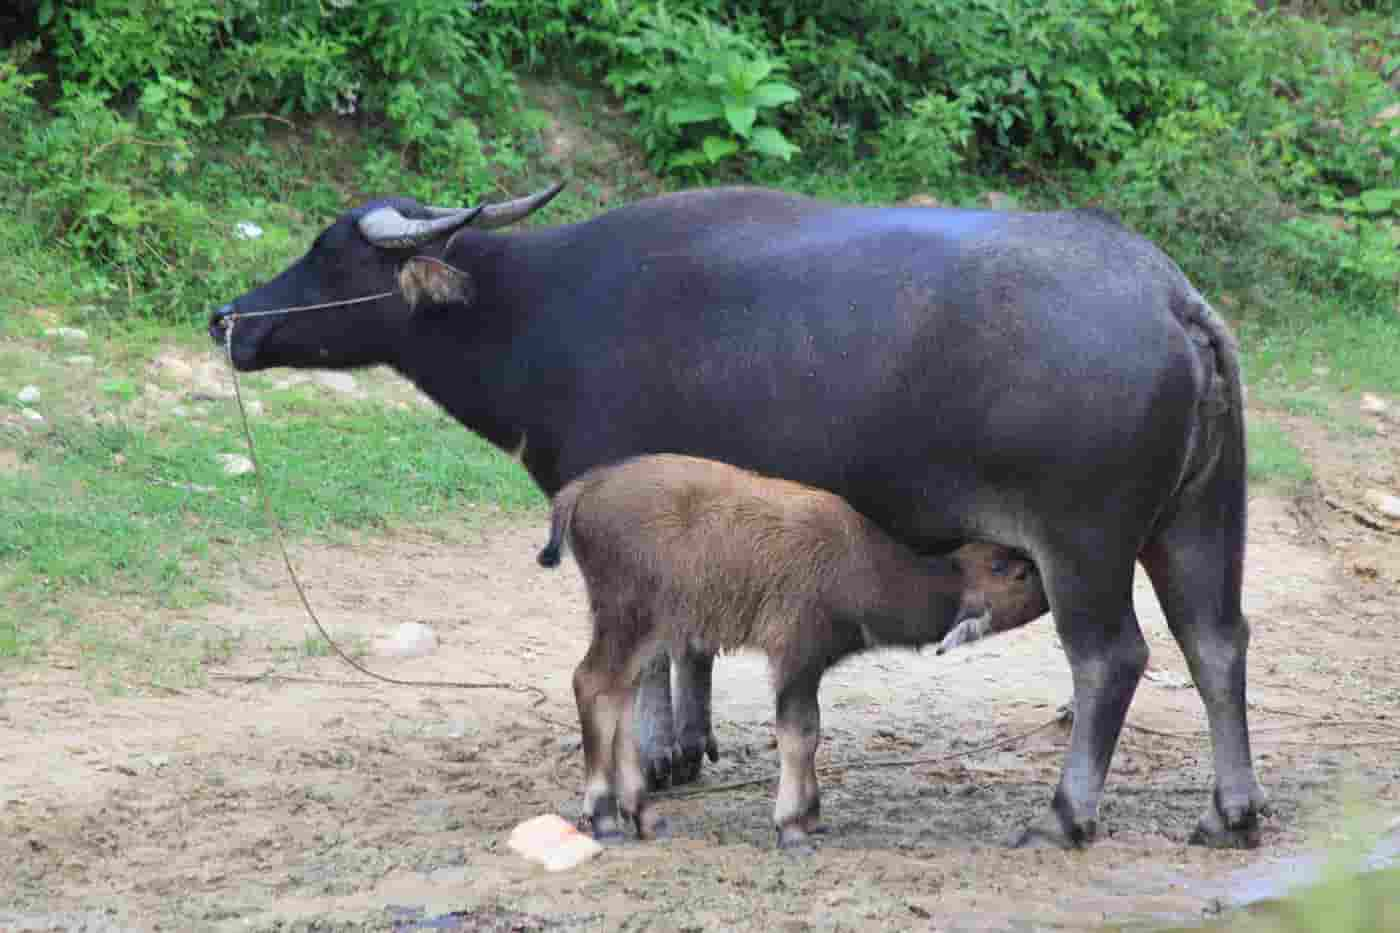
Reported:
(431, 283)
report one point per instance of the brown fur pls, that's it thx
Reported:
(688, 554)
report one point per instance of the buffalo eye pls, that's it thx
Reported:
(1000, 566)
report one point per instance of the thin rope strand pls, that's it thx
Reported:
(296, 581)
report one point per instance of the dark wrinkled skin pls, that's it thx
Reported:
(1050, 382)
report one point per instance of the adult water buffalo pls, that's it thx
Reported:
(1050, 382)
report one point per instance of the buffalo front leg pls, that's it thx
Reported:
(1093, 612)
(692, 676)
(673, 718)
(1195, 566)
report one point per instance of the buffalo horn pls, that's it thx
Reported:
(386, 227)
(508, 212)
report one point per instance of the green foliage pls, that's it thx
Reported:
(927, 146)
(703, 92)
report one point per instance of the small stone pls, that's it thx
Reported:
(31, 415)
(1373, 404)
(411, 640)
(343, 383)
(920, 200)
(570, 743)
(1320, 371)
(235, 464)
(73, 334)
(81, 360)
(180, 411)
(997, 201)
(254, 407)
(171, 365)
(1384, 503)
(247, 230)
(28, 395)
(119, 460)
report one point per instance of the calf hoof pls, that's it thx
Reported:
(795, 840)
(607, 830)
(1235, 827)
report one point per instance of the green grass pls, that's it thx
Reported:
(1273, 457)
(116, 497)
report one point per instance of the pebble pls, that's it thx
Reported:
(410, 640)
(337, 381)
(1373, 404)
(1384, 503)
(247, 230)
(81, 360)
(28, 395)
(235, 464)
(77, 335)
(31, 415)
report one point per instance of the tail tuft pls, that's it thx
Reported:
(549, 557)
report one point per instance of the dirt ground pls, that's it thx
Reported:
(310, 798)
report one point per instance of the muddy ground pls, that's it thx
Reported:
(291, 793)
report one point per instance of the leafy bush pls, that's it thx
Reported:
(703, 92)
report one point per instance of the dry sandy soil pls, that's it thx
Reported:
(299, 795)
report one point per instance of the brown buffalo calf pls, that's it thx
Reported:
(686, 555)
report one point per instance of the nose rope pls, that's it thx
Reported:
(236, 315)
(276, 527)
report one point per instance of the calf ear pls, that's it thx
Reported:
(428, 283)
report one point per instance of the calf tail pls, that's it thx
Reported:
(561, 517)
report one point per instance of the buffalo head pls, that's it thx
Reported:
(348, 286)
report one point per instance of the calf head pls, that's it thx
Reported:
(1001, 590)
(350, 285)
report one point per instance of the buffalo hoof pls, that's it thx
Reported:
(1050, 833)
(1231, 828)
(681, 764)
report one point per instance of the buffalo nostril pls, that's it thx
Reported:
(218, 323)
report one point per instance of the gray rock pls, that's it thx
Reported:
(410, 640)
(28, 395)
(343, 383)
(1373, 404)
(1384, 503)
(235, 464)
(74, 334)
(30, 414)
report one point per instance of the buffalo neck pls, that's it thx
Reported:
(481, 362)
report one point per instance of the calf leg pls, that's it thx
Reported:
(598, 695)
(1092, 603)
(1194, 564)
(631, 778)
(797, 812)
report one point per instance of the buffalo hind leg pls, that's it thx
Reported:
(695, 737)
(1195, 567)
(656, 731)
(797, 811)
(1092, 603)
